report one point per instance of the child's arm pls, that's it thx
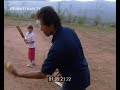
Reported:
(32, 40)
(29, 42)
(25, 40)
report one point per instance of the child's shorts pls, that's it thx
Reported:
(31, 53)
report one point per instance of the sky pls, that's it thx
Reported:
(111, 0)
(81, 0)
(72, 0)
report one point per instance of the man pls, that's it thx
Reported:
(66, 53)
(30, 40)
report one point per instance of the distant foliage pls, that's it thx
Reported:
(82, 19)
(66, 16)
(7, 13)
(97, 20)
(13, 14)
(33, 16)
(112, 24)
(60, 12)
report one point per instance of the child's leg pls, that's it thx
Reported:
(29, 54)
(33, 62)
(32, 56)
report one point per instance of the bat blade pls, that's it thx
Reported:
(58, 83)
(20, 31)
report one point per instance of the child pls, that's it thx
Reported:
(37, 24)
(30, 40)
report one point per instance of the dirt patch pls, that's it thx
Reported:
(99, 50)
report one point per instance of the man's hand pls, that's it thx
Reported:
(31, 75)
(14, 72)
(10, 68)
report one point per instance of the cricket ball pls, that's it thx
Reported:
(9, 66)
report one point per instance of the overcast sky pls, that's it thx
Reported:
(81, 0)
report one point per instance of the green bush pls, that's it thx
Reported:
(7, 13)
(82, 19)
(33, 15)
(97, 20)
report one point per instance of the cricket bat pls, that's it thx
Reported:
(20, 31)
(58, 83)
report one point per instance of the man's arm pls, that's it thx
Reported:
(30, 75)
(33, 75)
(53, 59)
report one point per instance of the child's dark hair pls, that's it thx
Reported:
(48, 15)
(30, 27)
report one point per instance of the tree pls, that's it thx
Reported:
(82, 19)
(70, 14)
(33, 15)
(97, 20)
(6, 8)
(60, 12)
(59, 8)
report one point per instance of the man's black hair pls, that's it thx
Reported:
(48, 16)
